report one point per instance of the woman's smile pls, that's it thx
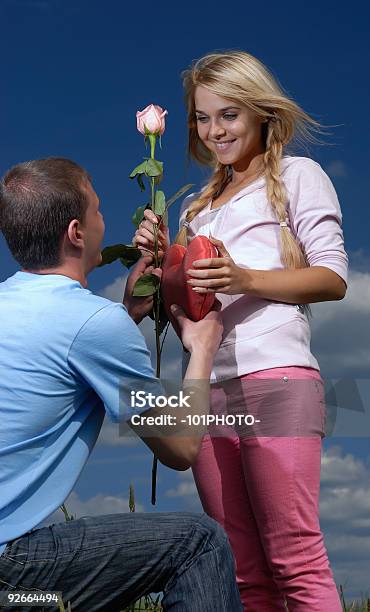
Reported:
(230, 130)
(224, 146)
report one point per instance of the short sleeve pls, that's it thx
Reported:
(316, 217)
(110, 354)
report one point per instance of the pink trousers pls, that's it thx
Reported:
(262, 485)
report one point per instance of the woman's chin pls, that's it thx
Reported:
(226, 159)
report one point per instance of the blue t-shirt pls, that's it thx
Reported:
(66, 357)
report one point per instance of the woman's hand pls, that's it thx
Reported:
(218, 275)
(144, 235)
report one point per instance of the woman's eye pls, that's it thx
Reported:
(230, 116)
(202, 119)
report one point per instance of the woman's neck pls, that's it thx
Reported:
(251, 171)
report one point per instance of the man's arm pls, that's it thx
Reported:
(176, 443)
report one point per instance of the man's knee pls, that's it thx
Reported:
(217, 535)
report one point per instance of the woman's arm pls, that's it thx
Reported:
(300, 286)
(316, 222)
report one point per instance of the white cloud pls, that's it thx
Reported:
(94, 506)
(336, 469)
(345, 518)
(345, 496)
(114, 291)
(337, 168)
(341, 331)
(186, 492)
(345, 491)
(110, 436)
(183, 489)
(359, 260)
(172, 350)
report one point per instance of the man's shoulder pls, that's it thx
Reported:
(57, 304)
(94, 300)
(97, 312)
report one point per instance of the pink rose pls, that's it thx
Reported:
(151, 118)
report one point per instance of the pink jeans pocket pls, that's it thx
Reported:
(279, 402)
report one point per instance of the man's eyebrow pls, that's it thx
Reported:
(221, 110)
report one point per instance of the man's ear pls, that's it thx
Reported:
(75, 233)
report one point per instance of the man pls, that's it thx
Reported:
(67, 357)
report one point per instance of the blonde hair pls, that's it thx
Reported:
(240, 77)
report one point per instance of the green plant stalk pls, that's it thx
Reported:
(152, 139)
(67, 516)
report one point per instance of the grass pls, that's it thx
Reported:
(148, 604)
(355, 606)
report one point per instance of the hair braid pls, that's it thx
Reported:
(216, 184)
(292, 255)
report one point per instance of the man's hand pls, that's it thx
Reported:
(202, 336)
(139, 307)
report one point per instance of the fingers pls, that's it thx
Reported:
(206, 273)
(214, 289)
(146, 268)
(144, 236)
(179, 314)
(145, 250)
(143, 263)
(210, 283)
(141, 267)
(220, 246)
(215, 313)
(218, 262)
(140, 243)
(151, 218)
(217, 305)
(146, 230)
(147, 227)
(157, 272)
(149, 214)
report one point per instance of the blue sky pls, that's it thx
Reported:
(73, 75)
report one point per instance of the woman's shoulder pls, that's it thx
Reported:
(294, 164)
(186, 203)
(304, 172)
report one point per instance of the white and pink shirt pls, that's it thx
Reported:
(258, 333)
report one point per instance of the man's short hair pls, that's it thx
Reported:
(38, 200)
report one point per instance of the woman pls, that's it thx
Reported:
(281, 249)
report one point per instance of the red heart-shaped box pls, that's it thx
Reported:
(174, 288)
